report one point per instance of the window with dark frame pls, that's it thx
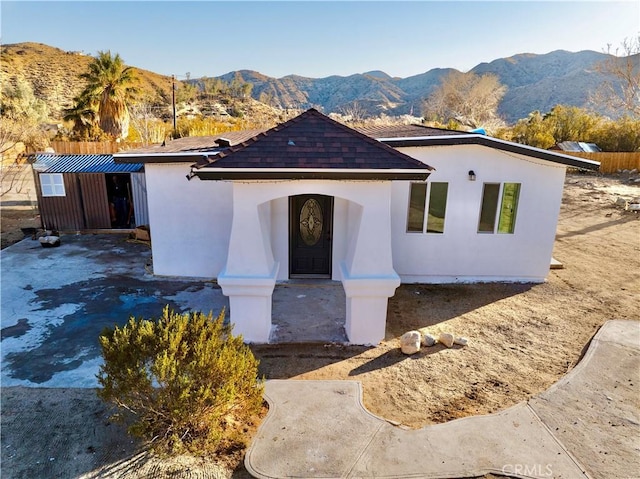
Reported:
(508, 197)
(435, 207)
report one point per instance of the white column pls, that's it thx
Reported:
(368, 276)
(367, 300)
(249, 276)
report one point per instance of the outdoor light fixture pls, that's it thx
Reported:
(472, 175)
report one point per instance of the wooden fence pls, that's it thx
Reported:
(611, 162)
(91, 147)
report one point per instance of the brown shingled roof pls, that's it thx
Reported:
(189, 148)
(404, 131)
(310, 141)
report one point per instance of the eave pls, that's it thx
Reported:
(161, 157)
(309, 174)
(495, 143)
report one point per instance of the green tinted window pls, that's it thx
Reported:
(437, 207)
(509, 207)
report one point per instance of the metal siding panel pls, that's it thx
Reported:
(139, 192)
(64, 212)
(94, 199)
(73, 208)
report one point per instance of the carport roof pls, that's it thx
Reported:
(83, 164)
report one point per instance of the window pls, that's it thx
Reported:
(435, 207)
(509, 207)
(52, 184)
(489, 211)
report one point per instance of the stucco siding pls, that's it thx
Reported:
(461, 254)
(190, 221)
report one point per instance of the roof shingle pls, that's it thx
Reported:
(315, 141)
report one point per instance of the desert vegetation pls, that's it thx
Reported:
(184, 382)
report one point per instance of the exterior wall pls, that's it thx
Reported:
(190, 221)
(462, 254)
(63, 213)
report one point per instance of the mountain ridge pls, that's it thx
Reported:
(534, 82)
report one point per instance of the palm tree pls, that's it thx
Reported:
(84, 116)
(111, 85)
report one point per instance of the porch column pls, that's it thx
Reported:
(249, 276)
(368, 276)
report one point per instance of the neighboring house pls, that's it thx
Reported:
(74, 192)
(579, 146)
(313, 198)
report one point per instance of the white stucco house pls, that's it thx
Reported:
(373, 208)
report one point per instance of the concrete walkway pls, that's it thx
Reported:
(586, 425)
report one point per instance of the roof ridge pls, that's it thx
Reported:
(311, 112)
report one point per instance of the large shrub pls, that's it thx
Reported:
(190, 384)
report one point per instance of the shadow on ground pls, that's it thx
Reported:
(416, 306)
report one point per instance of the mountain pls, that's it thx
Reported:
(54, 74)
(539, 82)
(535, 82)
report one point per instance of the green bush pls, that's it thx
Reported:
(190, 385)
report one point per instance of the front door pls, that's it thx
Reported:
(310, 225)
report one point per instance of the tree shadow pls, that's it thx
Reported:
(598, 227)
(288, 360)
(393, 357)
(416, 306)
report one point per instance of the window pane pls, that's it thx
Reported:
(52, 184)
(509, 208)
(489, 207)
(47, 190)
(437, 207)
(417, 197)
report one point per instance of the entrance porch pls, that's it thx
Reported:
(360, 257)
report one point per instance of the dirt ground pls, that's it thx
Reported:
(522, 339)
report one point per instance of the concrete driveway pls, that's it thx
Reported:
(56, 301)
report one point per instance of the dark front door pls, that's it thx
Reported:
(310, 226)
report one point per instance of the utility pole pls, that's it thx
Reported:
(173, 91)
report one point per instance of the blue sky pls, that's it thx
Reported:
(318, 38)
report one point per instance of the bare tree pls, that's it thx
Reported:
(622, 92)
(469, 99)
(353, 113)
(149, 128)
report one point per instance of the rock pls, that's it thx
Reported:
(49, 241)
(428, 340)
(634, 207)
(621, 202)
(410, 342)
(446, 339)
(461, 341)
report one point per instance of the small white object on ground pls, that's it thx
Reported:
(461, 341)
(446, 339)
(410, 342)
